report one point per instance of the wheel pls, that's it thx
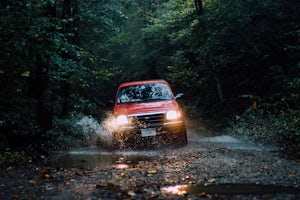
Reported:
(182, 138)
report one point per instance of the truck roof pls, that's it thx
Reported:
(143, 82)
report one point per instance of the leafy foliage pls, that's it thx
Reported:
(62, 56)
(74, 131)
(11, 157)
(265, 127)
(42, 61)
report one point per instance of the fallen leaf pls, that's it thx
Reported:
(152, 172)
(67, 183)
(79, 173)
(202, 194)
(131, 193)
(291, 174)
(212, 180)
(32, 181)
(134, 169)
(106, 186)
(50, 188)
(47, 176)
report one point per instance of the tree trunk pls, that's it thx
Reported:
(199, 8)
(217, 79)
(65, 85)
(219, 87)
(67, 9)
(76, 22)
(45, 107)
(41, 86)
(70, 10)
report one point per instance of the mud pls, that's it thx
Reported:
(220, 167)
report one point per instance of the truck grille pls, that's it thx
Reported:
(149, 121)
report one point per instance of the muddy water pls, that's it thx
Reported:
(225, 141)
(229, 189)
(86, 159)
(89, 159)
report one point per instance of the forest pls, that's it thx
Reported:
(237, 63)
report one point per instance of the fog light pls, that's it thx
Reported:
(172, 114)
(121, 120)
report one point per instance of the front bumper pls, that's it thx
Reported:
(166, 128)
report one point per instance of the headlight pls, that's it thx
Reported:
(172, 114)
(121, 120)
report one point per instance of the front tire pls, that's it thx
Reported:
(182, 138)
(178, 139)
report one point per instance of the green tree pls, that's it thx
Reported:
(45, 69)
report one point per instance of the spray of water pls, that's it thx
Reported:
(104, 132)
(97, 134)
(100, 135)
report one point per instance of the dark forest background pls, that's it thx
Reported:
(236, 61)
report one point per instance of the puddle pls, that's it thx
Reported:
(93, 159)
(230, 189)
(234, 143)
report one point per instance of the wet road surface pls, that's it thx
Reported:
(91, 158)
(219, 167)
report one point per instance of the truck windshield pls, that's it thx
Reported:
(144, 93)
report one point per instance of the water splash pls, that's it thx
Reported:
(99, 134)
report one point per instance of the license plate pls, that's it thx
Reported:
(148, 132)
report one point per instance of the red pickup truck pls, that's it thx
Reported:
(147, 109)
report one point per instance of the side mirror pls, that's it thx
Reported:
(179, 95)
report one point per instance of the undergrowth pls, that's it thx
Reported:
(264, 127)
(74, 131)
(10, 157)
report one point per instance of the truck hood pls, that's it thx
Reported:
(147, 107)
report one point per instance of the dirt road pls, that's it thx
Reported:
(219, 167)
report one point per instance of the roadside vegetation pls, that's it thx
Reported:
(237, 62)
